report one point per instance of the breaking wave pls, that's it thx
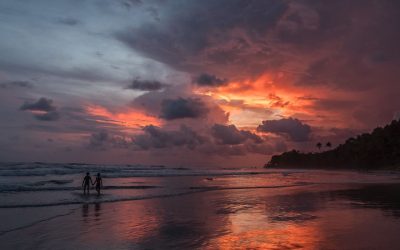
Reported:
(111, 198)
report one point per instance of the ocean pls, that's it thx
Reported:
(170, 202)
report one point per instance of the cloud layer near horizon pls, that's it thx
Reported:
(235, 80)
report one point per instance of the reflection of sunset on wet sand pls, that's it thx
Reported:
(288, 237)
(226, 212)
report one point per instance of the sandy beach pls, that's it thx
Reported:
(329, 210)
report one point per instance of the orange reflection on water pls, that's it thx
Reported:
(291, 236)
(253, 230)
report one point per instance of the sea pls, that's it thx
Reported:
(33, 195)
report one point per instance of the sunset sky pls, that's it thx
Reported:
(210, 83)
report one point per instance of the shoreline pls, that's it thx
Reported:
(232, 218)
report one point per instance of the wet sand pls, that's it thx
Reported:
(323, 216)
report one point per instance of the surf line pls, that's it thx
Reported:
(192, 190)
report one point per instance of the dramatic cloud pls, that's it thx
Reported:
(155, 137)
(43, 104)
(225, 34)
(295, 129)
(145, 85)
(231, 135)
(225, 141)
(175, 103)
(206, 80)
(183, 108)
(43, 109)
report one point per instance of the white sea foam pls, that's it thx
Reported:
(45, 169)
(84, 199)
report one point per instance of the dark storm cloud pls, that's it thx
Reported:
(156, 137)
(340, 43)
(229, 142)
(13, 84)
(294, 128)
(48, 112)
(178, 101)
(229, 134)
(146, 85)
(207, 80)
(182, 40)
(247, 147)
(172, 109)
(363, 52)
(43, 104)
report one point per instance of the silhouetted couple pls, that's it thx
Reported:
(87, 180)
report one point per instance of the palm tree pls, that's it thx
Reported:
(319, 145)
(328, 144)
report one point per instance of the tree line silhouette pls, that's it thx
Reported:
(319, 145)
(376, 150)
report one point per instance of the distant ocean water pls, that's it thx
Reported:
(50, 184)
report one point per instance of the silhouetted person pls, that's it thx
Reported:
(99, 183)
(87, 180)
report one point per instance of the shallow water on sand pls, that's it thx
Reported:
(280, 209)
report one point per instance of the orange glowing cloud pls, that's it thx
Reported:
(273, 96)
(253, 100)
(127, 119)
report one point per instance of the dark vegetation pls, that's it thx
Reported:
(377, 150)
